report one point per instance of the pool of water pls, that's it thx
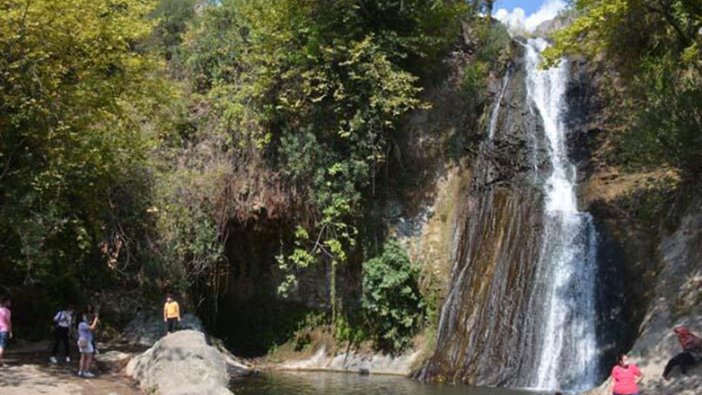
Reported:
(313, 383)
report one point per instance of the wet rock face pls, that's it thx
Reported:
(676, 288)
(583, 122)
(514, 158)
(650, 270)
(498, 246)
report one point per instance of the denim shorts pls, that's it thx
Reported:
(4, 337)
(85, 346)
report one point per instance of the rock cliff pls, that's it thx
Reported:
(653, 258)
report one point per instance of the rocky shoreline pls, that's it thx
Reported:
(355, 362)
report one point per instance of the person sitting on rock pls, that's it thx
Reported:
(171, 314)
(692, 351)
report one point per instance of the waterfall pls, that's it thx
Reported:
(496, 109)
(564, 294)
(521, 307)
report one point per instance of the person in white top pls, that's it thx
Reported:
(62, 329)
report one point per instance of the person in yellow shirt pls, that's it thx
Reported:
(171, 314)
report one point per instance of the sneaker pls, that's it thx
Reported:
(53, 360)
(88, 375)
(68, 359)
(80, 373)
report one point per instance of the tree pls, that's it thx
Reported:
(74, 93)
(317, 89)
(655, 47)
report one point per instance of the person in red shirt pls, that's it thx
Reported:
(692, 351)
(625, 377)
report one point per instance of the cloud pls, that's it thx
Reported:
(518, 21)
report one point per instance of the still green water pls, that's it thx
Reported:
(314, 383)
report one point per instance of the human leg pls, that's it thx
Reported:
(63, 332)
(55, 345)
(88, 365)
(172, 325)
(684, 360)
(4, 336)
(81, 364)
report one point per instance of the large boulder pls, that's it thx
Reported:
(147, 327)
(181, 363)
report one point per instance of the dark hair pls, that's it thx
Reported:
(86, 315)
(620, 358)
(559, 393)
(4, 300)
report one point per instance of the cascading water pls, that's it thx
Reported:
(521, 308)
(498, 103)
(564, 295)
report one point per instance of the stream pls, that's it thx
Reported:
(313, 383)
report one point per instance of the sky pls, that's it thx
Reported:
(526, 14)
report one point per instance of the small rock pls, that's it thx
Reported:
(112, 361)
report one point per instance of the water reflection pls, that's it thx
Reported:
(313, 383)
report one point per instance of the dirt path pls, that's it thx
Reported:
(30, 374)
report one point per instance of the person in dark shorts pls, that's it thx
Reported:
(171, 314)
(692, 351)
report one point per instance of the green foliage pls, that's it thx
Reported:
(318, 89)
(135, 132)
(493, 43)
(655, 47)
(189, 242)
(73, 94)
(392, 302)
(347, 331)
(172, 17)
(474, 80)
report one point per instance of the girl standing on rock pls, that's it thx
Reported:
(85, 344)
(625, 377)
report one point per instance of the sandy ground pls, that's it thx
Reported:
(29, 373)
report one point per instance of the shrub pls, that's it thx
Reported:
(392, 303)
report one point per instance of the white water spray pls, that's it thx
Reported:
(498, 103)
(564, 294)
